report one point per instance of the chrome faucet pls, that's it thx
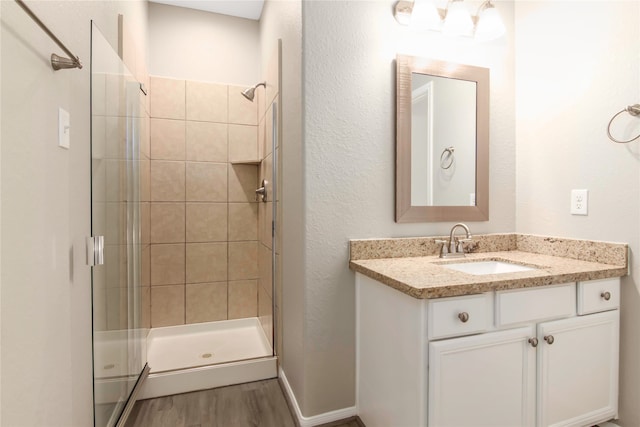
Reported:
(454, 248)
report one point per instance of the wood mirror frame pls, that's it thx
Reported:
(405, 211)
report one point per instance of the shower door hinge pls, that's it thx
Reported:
(95, 250)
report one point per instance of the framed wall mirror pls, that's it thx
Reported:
(442, 141)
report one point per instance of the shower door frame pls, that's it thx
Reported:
(132, 380)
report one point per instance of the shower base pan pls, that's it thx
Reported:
(206, 355)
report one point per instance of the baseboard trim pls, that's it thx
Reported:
(316, 420)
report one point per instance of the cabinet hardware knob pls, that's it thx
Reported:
(549, 339)
(606, 295)
(533, 342)
(464, 317)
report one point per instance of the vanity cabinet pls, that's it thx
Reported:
(544, 356)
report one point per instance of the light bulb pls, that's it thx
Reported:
(457, 21)
(425, 15)
(490, 25)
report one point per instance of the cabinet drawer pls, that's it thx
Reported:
(455, 316)
(534, 304)
(598, 295)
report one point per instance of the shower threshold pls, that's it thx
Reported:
(206, 355)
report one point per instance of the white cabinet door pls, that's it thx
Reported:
(578, 370)
(483, 380)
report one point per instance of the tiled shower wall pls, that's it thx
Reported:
(202, 212)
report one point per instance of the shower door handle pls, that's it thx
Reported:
(95, 250)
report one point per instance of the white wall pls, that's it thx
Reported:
(45, 284)
(349, 155)
(195, 45)
(572, 75)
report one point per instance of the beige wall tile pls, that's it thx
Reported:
(145, 180)
(206, 302)
(98, 137)
(262, 99)
(277, 277)
(243, 299)
(243, 221)
(167, 222)
(167, 139)
(114, 226)
(145, 138)
(241, 110)
(145, 311)
(268, 219)
(167, 305)
(98, 94)
(114, 185)
(115, 137)
(243, 260)
(262, 218)
(206, 182)
(243, 142)
(273, 75)
(145, 223)
(167, 264)
(115, 265)
(167, 181)
(167, 98)
(115, 95)
(206, 222)
(206, 262)
(145, 265)
(265, 268)
(268, 171)
(268, 132)
(261, 139)
(207, 142)
(265, 314)
(243, 181)
(117, 308)
(207, 102)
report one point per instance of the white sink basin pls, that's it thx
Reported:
(479, 268)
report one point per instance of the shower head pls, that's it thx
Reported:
(249, 93)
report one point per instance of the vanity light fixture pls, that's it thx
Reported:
(455, 20)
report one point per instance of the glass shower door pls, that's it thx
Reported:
(118, 338)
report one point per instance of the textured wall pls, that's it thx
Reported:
(571, 78)
(226, 49)
(349, 150)
(46, 285)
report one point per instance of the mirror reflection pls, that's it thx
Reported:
(443, 141)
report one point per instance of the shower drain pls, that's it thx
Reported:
(206, 355)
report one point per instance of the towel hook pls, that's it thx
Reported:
(634, 110)
(447, 155)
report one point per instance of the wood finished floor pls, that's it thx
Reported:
(257, 404)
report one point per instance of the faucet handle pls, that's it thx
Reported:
(444, 249)
(461, 246)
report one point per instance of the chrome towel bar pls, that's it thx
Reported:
(634, 110)
(57, 62)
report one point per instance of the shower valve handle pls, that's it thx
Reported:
(261, 192)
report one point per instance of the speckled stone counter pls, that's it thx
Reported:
(412, 266)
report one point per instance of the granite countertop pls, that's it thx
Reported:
(425, 277)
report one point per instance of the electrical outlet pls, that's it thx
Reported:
(579, 202)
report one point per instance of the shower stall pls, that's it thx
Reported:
(184, 208)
